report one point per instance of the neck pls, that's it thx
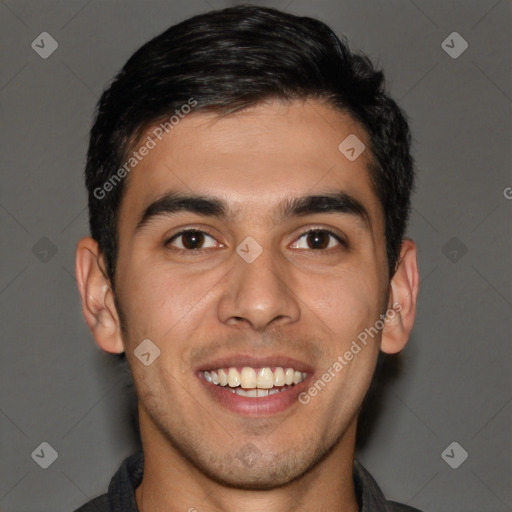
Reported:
(172, 483)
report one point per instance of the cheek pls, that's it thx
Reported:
(163, 303)
(348, 301)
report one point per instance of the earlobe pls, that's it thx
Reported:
(98, 306)
(403, 295)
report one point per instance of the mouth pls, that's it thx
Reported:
(255, 390)
(255, 382)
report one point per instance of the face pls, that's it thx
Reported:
(264, 289)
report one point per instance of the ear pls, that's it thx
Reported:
(98, 306)
(403, 295)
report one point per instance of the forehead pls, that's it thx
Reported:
(253, 158)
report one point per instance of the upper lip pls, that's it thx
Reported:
(268, 361)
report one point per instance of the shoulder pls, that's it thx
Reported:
(370, 495)
(99, 504)
(393, 506)
(121, 490)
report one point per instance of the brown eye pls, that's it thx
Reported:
(318, 239)
(190, 240)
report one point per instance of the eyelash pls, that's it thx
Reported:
(201, 251)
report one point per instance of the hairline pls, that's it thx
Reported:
(219, 111)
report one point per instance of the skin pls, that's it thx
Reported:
(307, 303)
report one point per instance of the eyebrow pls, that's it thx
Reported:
(330, 202)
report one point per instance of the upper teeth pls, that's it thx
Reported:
(249, 378)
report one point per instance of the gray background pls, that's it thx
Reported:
(58, 387)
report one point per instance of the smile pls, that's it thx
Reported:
(255, 382)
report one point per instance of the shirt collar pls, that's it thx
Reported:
(121, 491)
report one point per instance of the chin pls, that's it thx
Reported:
(249, 469)
(255, 479)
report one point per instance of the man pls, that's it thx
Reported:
(249, 187)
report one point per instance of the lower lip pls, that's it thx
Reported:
(255, 406)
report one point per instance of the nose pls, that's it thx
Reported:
(259, 293)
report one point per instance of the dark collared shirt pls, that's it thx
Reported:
(121, 491)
